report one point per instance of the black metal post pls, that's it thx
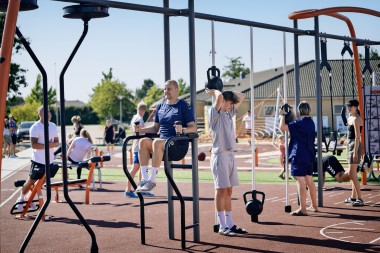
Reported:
(94, 246)
(296, 67)
(194, 142)
(46, 137)
(319, 111)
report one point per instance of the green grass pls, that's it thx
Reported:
(111, 174)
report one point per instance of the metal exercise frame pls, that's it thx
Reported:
(168, 165)
(169, 12)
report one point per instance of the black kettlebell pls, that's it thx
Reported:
(213, 78)
(254, 207)
(136, 124)
(178, 123)
(287, 113)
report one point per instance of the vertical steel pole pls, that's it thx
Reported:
(319, 110)
(286, 133)
(194, 146)
(252, 110)
(168, 77)
(296, 67)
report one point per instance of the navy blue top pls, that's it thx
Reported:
(167, 114)
(302, 135)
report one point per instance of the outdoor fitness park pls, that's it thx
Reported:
(110, 224)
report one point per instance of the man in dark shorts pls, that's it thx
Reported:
(331, 165)
(170, 110)
(13, 133)
(37, 140)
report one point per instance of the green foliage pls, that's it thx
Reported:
(183, 87)
(141, 93)
(104, 100)
(16, 76)
(374, 55)
(234, 68)
(37, 95)
(26, 112)
(154, 94)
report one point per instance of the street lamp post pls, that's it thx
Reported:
(121, 106)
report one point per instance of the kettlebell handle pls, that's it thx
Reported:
(262, 194)
(214, 72)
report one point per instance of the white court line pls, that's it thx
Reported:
(374, 204)
(334, 232)
(322, 232)
(278, 200)
(333, 195)
(6, 201)
(375, 240)
(374, 196)
(344, 237)
(12, 173)
(271, 198)
(355, 229)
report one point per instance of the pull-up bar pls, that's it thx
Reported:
(185, 13)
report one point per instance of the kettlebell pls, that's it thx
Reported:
(213, 78)
(254, 207)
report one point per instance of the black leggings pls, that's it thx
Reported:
(79, 169)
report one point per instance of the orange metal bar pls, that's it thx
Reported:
(6, 54)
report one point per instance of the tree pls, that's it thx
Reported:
(16, 75)
(141, 93)
(234, 68)
(105, 102)
(26, 112)
(183, 87)
(154, 94)
(37, 95)
(374, 55)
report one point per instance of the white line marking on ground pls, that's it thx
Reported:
(6, 201)
(333, 195)
(271, 198)
(374, 196)
(374, 240)
(355, 229)
(334, 232)
(374, 204)
(12, 173)
(344, 237)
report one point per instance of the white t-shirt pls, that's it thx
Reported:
(136, 117)
(247, 120)
(81, 147)
(37, 131)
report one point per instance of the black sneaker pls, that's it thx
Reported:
(238, 230)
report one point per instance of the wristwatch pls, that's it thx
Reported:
(183, 131)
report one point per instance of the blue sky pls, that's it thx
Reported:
(131, 42)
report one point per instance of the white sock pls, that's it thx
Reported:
(144, 173)
(222, 220)
(153, 174)
(21, 198)
(229, 221)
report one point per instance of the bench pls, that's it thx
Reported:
(90, 164)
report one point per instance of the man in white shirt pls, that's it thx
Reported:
(248, 125)
(37, 169)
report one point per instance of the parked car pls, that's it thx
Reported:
(23, 130)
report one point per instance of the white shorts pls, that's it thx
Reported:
(224, 170)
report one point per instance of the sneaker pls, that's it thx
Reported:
(349, 200)
(358, 202)
(148, 186)
(147, 194)
(238, 230)
(312, 209)
(12, 156)
(227, 232)
(140, 184)
(130, 194)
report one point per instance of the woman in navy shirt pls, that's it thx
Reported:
(301, 155)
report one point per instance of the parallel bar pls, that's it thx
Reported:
(156, 202)
(182, 166)
(185, 13)
(184, 198)
(192, 226)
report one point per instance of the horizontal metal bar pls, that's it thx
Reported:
(156, 202)
(182, 166)
(184, 198)
(204, 16)
(345, 38)
(126, 6)
(251, 23)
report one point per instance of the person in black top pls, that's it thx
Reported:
(354, 150)
(109, 136)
